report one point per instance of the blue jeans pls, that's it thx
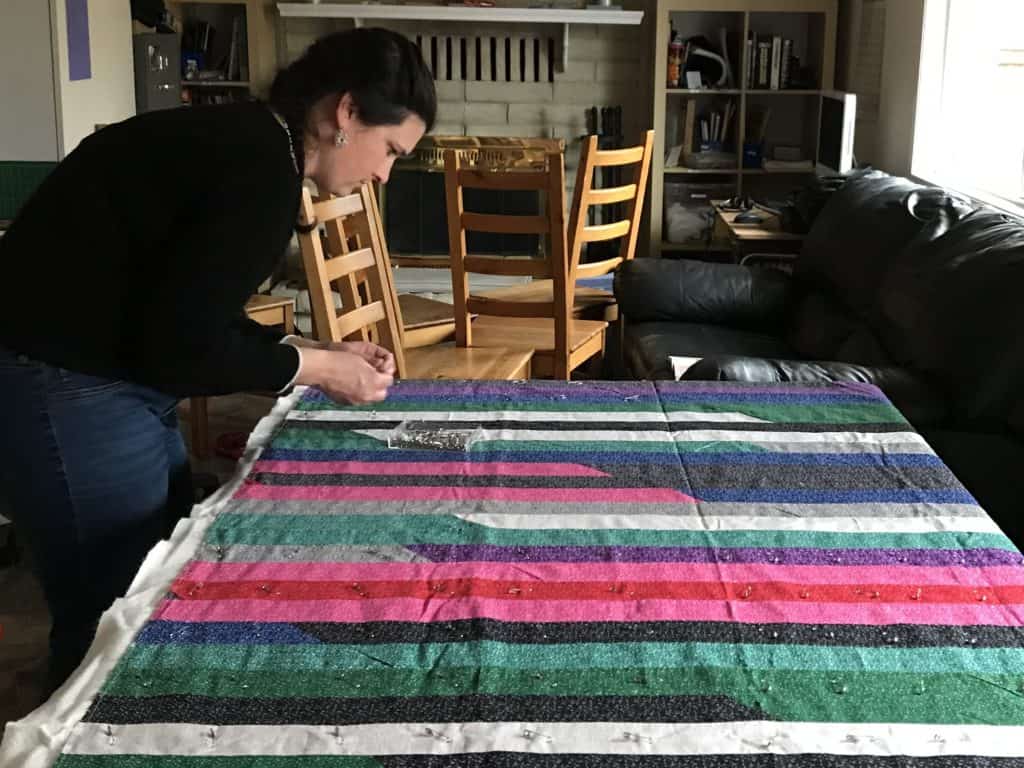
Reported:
(96, 473)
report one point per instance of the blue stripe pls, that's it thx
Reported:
(823, 459)
(223, 633)
(811, 496)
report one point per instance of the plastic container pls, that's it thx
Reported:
(689, 215)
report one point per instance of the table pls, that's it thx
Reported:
(766, 237)
(614, 574)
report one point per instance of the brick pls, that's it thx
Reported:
(484, 112)
(450, 90)
(601, 94)
(576, 72)
(449, 129)
(602, 49)
(544, 113)
(451, 111)
(521, 130)
(617, 72)
(513, 93)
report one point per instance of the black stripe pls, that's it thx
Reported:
(187, 708)
(612, 424)
(900, 635)
(479, 60)
(688, 478)
(463, 59)
(541, 760)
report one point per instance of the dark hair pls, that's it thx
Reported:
(381, 70)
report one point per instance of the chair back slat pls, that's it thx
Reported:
(549, 224)
(353, 219)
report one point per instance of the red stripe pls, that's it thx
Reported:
(526, 589)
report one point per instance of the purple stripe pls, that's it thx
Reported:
(845, 390)
(972, 558)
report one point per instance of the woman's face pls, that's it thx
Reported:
(367, 153)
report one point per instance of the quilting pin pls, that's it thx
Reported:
(108, 731)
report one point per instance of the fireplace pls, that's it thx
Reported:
(414, 211)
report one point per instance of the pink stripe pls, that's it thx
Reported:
(506, 468)
(512, 609)
(611, 572)
(455, 493)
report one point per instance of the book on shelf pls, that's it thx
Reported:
(764, 54)
(776, 62)
(787, 55)
(751, 72)
(787, 165)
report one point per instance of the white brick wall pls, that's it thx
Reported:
(605, 68)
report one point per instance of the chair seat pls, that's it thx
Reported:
(537, 333)
(589, 303)
(446, 361)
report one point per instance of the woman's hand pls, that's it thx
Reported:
(382, 360)
(346, 376)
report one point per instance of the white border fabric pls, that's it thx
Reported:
(37, 739)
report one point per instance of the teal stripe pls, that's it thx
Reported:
(575, 656)
(405, 530)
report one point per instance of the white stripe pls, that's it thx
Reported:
(616, 738)
(735, 523)
(555, 435)
(876, 438)
(687, 436)
(609, 417)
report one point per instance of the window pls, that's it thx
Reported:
(969, 132)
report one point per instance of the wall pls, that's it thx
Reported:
(886, 142)
(28, 130)
(109, 95)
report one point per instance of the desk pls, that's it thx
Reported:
(766, 237)
(617, 574)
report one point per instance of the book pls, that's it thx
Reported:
(787, 55)
(764, 55)
(787, 165)
(749, 75)
(776, 63)
(689, 122)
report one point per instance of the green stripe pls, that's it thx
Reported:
(235, 761)
(330, 436)
(795, 695)
(491, 653)
(389, 530)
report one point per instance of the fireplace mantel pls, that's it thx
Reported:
(563, 16)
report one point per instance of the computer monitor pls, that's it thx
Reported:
(835, 145)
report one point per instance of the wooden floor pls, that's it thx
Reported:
(24, 622)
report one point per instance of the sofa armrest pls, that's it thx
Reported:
(694, 291)
(916, 399)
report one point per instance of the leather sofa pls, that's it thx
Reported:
(898, 284)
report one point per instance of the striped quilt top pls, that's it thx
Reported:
(612, 574)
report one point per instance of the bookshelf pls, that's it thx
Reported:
(793, 113)
(252, 24)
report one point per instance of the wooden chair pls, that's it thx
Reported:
(544, 324)
(596, 303)
(370, 308)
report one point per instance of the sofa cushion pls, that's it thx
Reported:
(952, 309)
(648, 346)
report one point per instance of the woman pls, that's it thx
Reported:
(143, 246)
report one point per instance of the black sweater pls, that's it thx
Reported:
(135, 257)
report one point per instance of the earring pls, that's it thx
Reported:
(340, 138)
